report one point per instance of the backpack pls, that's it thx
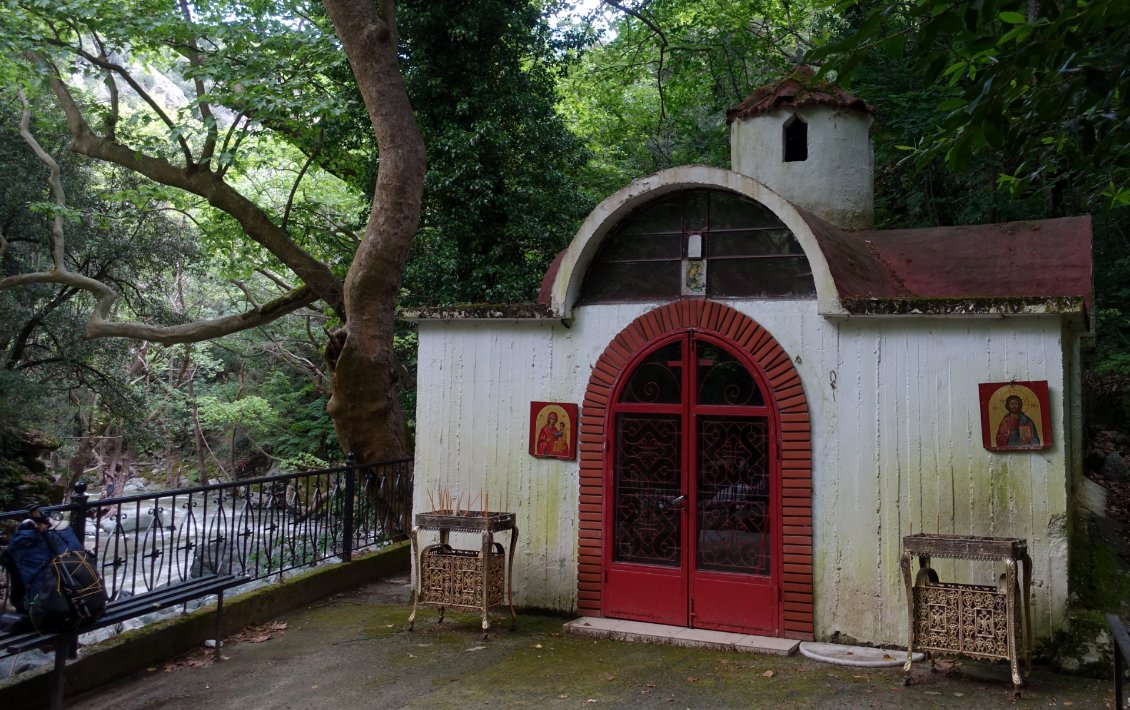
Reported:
(64, 591)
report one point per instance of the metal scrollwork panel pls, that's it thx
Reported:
(959, 618)
(734, 519)
(658, 379)
(647, 479)
(723, 380)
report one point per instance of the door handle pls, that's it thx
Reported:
(671, 504)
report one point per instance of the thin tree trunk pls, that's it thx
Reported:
(196, 428)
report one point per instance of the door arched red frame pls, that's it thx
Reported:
(787, 393)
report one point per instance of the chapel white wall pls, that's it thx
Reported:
(896, 446)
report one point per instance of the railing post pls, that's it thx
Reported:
(1118, 671)
(78, 516)
(1120, 645)
(350, 492)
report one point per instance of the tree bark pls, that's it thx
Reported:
(363, 405)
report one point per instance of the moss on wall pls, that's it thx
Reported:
(1100, 583)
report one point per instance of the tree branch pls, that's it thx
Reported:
(221, 170)
(110, 124)
(278, 281)
(205, 108)
(53, 179)
(100, 325)
(294, 188)
(201, 181)
(205, 329)
(246, 293)
(142, 93)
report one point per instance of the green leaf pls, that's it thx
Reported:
(1012, 18)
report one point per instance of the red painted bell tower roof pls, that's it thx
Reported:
(798, 88)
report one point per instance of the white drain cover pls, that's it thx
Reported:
(843, 655)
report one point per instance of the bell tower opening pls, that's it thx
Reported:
(795, 132)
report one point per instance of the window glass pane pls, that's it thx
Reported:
(752, 243)
(625, 247)
(658, 379)
(663, 215)
(631, 281)
(730, 211)
(760, 276)
(696, 206)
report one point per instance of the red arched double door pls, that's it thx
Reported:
(692, 489)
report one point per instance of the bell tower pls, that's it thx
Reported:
(809, 142)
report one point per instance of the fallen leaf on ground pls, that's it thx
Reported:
(609, 677)
(769, 674)
(692, 679)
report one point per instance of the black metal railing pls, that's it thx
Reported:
(1121, 652)
(259, 528)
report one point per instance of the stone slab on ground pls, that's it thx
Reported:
(643, 632)
(856, 656)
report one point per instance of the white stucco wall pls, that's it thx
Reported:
(896, 445)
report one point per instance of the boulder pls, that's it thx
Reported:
(1115, 467)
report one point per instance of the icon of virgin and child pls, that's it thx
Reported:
(553, 439)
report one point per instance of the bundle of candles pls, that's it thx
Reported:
(451, 505)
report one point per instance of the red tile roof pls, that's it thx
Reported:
(1036, 260)
(797, 89)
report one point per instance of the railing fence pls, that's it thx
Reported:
(259, 528)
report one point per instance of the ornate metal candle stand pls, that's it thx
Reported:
(464, 579)
(967, 619)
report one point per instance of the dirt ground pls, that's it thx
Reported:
(353, 650)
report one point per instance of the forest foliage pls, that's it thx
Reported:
(532, 112)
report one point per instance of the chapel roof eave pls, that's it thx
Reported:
(1072, 309)
(496, 312)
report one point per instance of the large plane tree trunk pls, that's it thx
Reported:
(363, 405)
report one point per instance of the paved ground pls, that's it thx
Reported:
(352, 651)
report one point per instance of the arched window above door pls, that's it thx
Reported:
(698, 242)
